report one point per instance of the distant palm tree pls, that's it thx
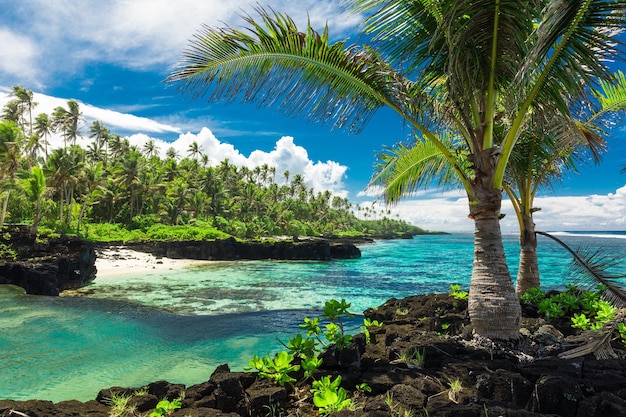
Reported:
(22, 108)
(150, 149)
(33, 183)
(67, 121)
(473, 70)
(11, 140)
(44, 128)
(194, 150)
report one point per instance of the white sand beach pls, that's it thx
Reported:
(120, 261)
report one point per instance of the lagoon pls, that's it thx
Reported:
(178, 325)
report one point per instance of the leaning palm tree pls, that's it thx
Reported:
(472, 70)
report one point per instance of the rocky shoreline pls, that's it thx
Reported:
(52, 265)
(521, 379)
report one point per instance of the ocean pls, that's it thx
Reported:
(179, 325)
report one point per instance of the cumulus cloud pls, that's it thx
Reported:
(448, 212)
(17, 55)
(139, 34)
(286, 156)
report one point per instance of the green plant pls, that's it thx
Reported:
(7, 252)
(367, 323)
(580, 321)
(119, 405)
(166, 407)
(277, 368)
(329, 396)
(397, 413)
(413, 357)
(402, 311)
(334, 332)
(455, 389)
(532, 296)
(457, 292)
(551, 309)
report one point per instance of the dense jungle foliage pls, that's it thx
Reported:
(111, 190)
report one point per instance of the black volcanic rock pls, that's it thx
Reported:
(519, 379)
(231, 249)
(46, 266)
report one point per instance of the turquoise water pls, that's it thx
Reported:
(179, 325)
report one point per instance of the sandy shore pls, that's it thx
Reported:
(113, 262)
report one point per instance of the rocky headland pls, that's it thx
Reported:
(459, 376)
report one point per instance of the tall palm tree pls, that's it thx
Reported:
(150, 149)
(33, 183)
(549, 146)
(44, 128)
(100, 134)
(474, 69)
(194, 150)
(11, 139)
(68, 121)
(21, 108)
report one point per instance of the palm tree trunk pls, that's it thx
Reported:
(528, 272)
(5, 204)
(493, 307)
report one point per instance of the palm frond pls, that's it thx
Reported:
(591, 268)
(572, 46)
(405, 169)
(272, 63)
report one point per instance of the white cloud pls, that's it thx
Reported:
(448, 212)
(17, 56)
(138, 34)
(286, 155)
(114, 120)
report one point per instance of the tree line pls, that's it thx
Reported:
(112, 181)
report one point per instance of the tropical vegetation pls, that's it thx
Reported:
(112, 190)
(466, 76)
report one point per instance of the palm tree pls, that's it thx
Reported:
(101, 135)
(68, 121)
(44, 128)
(11, 138)
(473, 70)
(33, 183)
(194, 150)
(549, 148)
(150, 149)
(93, 178)
(22, 108)
(545, 150)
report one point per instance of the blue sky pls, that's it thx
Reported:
(112, 56)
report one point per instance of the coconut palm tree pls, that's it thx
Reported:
(68, 121)
(550, 146)
(194, 150)
(44, 128)
(33, 183)
(21, 108)
(150, 149)
(11, 139)
(474, 69)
